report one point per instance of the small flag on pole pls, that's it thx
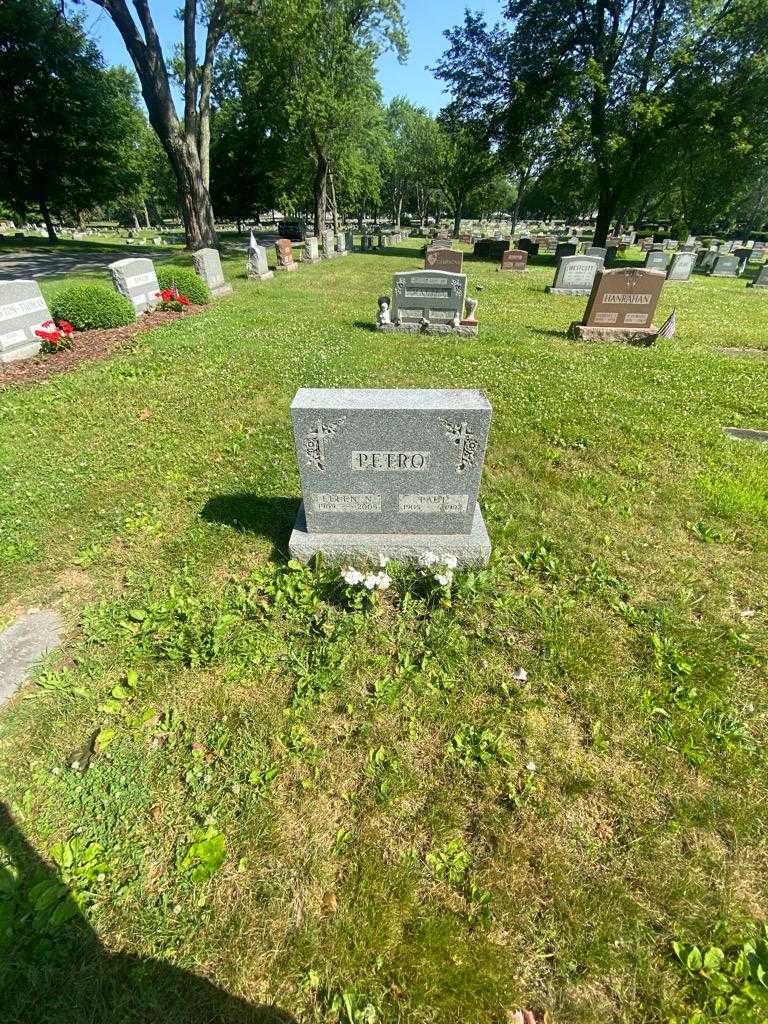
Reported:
(667, 329)
(252, 244)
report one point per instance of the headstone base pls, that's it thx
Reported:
(223, 289)
(288, 268)
(310, 259)
(625, 335)
(472, 548)
(567, 291)
(463, 330)
(24, 352)
(261, 277)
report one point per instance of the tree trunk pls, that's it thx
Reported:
(334, 209)
(136, 225)
(360, 218)
(319, 191)
(605, 210)
(398, 211)
(48, 222)
(196, 209)
(457, 218)
(147, 221)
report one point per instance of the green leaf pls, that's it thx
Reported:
(713, 959)
(694, 959)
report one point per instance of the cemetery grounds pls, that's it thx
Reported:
(541, 791)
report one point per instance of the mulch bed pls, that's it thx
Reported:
(87, 346)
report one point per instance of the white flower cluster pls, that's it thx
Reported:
(443, 566)
(380, 580)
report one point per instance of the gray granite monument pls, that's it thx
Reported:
(311, 252)
(135, 278)
(681, 267)
(725, 266)
(656, 260)
(329, 244)
(258, 268)
(390, 473)
(207, 263)
(761, 281)
(430, 302)
(23, 311)
(575, 275)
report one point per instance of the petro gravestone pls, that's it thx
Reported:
(392, 473)
(207, 263)
(514, 261)
(135, 278)
(429, 302)
(725, 266)
(444, 259)
(621, 307)
(656, 260)
(575, 275)
(681, 267)
(284, 252)
(311, 252)
(23, 311)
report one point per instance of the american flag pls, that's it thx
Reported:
(668, 327)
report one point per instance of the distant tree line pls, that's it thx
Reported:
(622, 110)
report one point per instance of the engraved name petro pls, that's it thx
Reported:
(395, 462)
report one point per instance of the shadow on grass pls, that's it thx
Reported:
(270, 517)
(365, 325)
(62, 974)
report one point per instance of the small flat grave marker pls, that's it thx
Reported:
(135, 278)
(23, 310)
(391, 473)
(23, 644)
(747, 434)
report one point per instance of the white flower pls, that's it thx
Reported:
(383, 562)
(370, 582)
(428, 558)
(530, 767)
(384, 581)
(520, 676)
(444, 578)
(351, 576)
(450, 561)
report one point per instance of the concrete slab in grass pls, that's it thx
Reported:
(23, 644)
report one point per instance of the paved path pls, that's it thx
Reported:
(24, 265)
(23, 644)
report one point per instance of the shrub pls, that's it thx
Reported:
(186, 281)
(88, 306)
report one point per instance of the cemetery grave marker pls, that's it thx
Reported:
(135, 278)
(596, 250)
(621, 307)
(329, 243)
(610, 255)
(490, 248)
(341, 244)
(742, 255)
(390, 472)
(529, 246)
(575, 275)
(311, 252)
(23, 310)
(565, 249)
(429, 302)
(207, 263)
(681, 267)
(284, 253)
(761, 281)
(656, 260)
(349, 241)
(725, 266)
(514, 260)
(258, 268)
(444, 259)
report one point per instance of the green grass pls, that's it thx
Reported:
(389, 851)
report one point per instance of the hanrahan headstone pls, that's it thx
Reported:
(621, 307)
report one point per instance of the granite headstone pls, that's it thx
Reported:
(575, 275)
(135, 278)
(23, 310)
(207, 263)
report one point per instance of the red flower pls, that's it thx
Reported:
(183, 300)
(66, 326)
(48, 323)
(52, 336)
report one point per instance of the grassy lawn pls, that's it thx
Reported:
(362, 814)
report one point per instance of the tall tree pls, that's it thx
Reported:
(67, 122)
(185, 140)
(609, 67)
(319, 57)
(466, 164)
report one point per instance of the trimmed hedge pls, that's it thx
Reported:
(186, 281)
(91, 306)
